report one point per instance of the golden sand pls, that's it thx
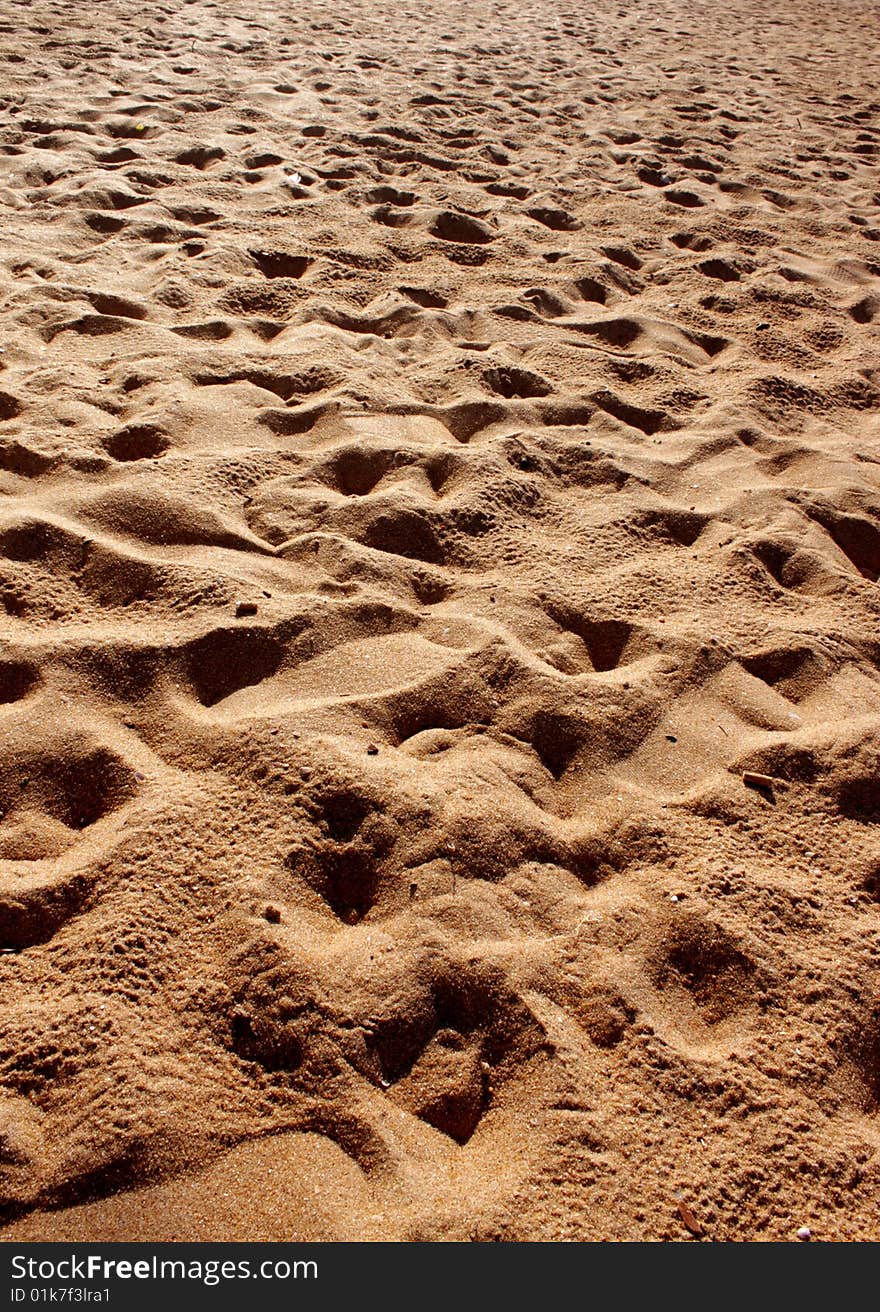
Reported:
(440, 676)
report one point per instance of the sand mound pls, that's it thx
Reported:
(440, 672)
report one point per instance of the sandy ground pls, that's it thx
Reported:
(438, 460)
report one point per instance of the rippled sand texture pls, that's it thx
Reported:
(438, 457)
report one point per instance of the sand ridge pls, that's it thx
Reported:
(438, 458)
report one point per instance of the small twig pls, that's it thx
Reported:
(752, 779)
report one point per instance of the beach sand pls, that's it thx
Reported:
(439, 648)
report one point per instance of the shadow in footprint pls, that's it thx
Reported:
(460, 228)
(722, 270)
(429, 300)
(404, 533)
(555, 219)
(606, 641)
(437, 1058)
(341, 862)
(226, 660)
(703, 959)
(858, 798)
(355, 472)
(681, 527)
(614, 332)
(509, 382)
(647, 421)
(10, 406)
(858, 538)
(624, 256)
(558, 739)
(588, 289)
(17, 679)
(866, 310)
(137, 442)
(280, 264)
(75, 785)
(794, 672)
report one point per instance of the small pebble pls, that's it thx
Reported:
(273, 915)
(372, 750)
(805, 1233)
(245, 608)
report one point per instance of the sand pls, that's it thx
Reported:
(440, 677)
